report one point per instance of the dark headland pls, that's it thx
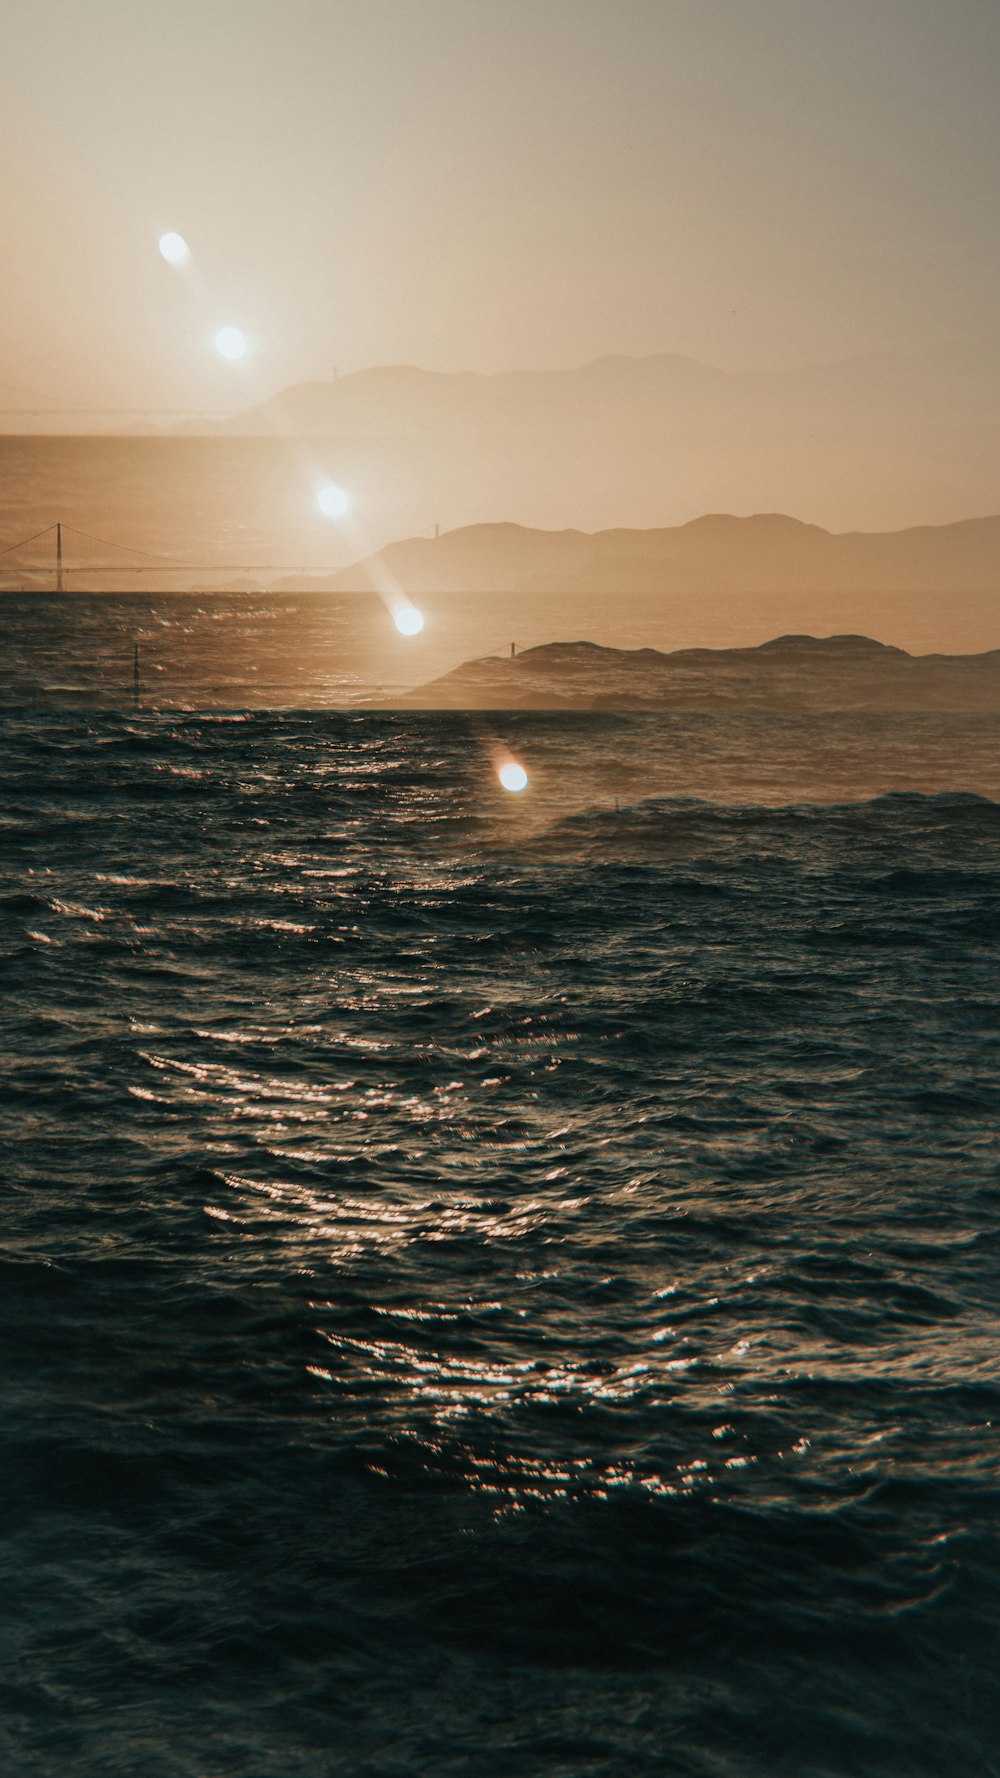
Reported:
(791, 673)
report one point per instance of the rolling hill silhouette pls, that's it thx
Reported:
(765, 553)
(718, 580)
(877, 441)
(790, 673)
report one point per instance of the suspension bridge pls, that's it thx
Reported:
(61, 554)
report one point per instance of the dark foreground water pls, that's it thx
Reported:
(495, 1286)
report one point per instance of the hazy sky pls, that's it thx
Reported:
(487, 184)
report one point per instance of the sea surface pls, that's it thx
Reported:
(497, 1285)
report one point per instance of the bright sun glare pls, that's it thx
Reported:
(174, 248)
(409, 621)
(512, 776)
(231, 343)
(333, 501)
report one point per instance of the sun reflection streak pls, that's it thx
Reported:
(335, 502)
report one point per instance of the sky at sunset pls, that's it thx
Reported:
(464, 184)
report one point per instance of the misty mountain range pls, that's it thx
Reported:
(878, 441)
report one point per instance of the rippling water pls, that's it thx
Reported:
(499, 1286)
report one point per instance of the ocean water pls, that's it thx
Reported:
(495, 1285)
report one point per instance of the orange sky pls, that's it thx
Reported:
(487, 184)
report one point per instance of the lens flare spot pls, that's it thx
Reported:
(333, 501)
(174, 248)
(512, 776)
(231, 344)
(409, 621)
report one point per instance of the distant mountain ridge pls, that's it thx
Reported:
(393, 397)
(399, 395)
(790, 673)
(876, 441)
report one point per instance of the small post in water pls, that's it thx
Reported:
(135, 671)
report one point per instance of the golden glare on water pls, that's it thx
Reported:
(231, 344)
(512, 776)
(174, 248)
(409, 621)
(333, 501)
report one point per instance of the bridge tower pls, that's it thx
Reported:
(59, 579)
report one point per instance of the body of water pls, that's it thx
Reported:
(497, 1285)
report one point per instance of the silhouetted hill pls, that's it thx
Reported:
(875, 441)
(789, 673)
(767, 553)
(391, 400)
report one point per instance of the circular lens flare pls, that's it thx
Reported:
(409, 621)
(231, 344)
(174, 248)
(333, 501)
(512, 776)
